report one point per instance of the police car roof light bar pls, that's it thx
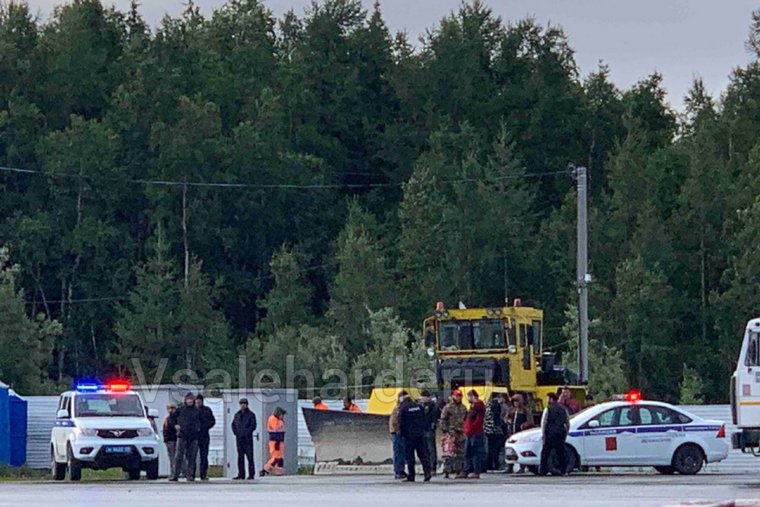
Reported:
(87, 387)
(118, 386)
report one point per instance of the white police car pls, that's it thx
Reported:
(628, 433)
(102, 427)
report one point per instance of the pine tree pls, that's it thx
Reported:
(26, 344)
(149, 324)
(289, 302)
(394, 356)
(363, 282)
(692, 388)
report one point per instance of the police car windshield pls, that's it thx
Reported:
(108, 405)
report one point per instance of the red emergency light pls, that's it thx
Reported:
(118, 386)
(633, 396)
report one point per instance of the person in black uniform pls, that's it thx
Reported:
(554, 426)
(412, 424)
(204, 439)
(243, 426)
(186, 420)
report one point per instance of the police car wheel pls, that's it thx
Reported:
(533, 469)
(688, 460)
(665, 470)
(75, 468)
(57, 470)
(133, 474)
(151, 471)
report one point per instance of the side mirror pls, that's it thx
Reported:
(62, 414)
(593, 424)
(152, 412)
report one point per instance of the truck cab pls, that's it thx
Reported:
(499, 346)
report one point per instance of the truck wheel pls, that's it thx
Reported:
(151, 470)
(665, 470)
(57, 470)
(75, 467)
(133, 474)
(688, 460)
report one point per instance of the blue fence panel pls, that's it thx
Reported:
(18, 432)
(5, 426)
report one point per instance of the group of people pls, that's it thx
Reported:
(186, 435)
(472, 439)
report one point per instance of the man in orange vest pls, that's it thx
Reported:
(350, 406)
(276, 429)
(319, 404)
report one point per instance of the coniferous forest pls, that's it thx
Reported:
(311, 185)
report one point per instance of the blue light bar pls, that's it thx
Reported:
(87, 388)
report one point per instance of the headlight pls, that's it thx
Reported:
(144, 432)
(88, 432)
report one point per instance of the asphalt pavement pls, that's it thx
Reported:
(371, 491)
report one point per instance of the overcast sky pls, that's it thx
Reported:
(679, 38)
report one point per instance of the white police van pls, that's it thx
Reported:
(100, 427)
(629, 433)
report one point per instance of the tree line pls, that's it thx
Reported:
(311, 185)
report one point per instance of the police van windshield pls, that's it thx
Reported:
(472, 335)
(108, 405)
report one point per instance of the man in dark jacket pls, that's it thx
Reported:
(187, 423)
(170, 437)
(204, 439)
(432, 415)
(411, 425)
(554, 426)
(243, 426)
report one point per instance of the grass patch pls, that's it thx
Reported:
(22, 473)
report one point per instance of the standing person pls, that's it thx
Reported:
(187, 423)
(319, 404)
(350, 406)
(453, 440)
(475, 447)
(398, 441)
(208, 421)
(518, 418)
(567, 401)
(554, 426)
(276, 429)
(411, 425)
(494, 430)
(243, 426)
(432, 414)
(170, 436)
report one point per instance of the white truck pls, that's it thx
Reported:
(101, 427)
(745, 392)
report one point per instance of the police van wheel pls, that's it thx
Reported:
(75, 468)
(151, 470)
(57, 470)
(133, 474)
(688, 460)
(665, 470)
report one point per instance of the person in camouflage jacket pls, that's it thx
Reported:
(452, 427)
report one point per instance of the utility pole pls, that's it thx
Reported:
(581, 177)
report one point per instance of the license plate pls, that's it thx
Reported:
(118, 449)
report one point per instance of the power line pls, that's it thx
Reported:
(286, 186)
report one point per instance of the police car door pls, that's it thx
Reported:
(611, 440)
(657, 435)
(62, 426)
